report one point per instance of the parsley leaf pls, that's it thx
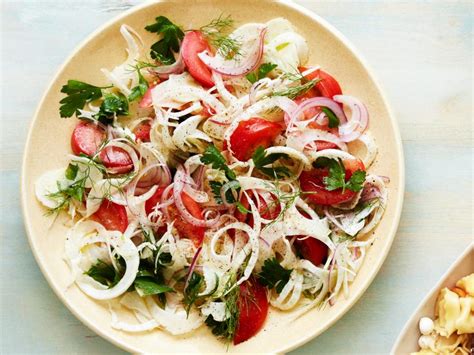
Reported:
(261, 160)
(172, 35)
(113, 104)
(336, 178)
(261, 73)
(146, 286)
(332, 118)
(194, 287)
(216, 187)
(192, 290)
(337, 174)
(273, 275)
(139, 90)
(78, 94)
(103, 273)
(71, 171)
(213, 157)
(356, 182)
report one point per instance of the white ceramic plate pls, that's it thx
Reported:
(48, 145)
(407, 341)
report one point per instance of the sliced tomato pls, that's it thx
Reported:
(312, 249)
(268, 212)
(194, 43)
(253, 310)
(147, 100)
(327, 86)
(154, 200)
(142, 131)
(86, 138)
(251, 134)
(112, 216)
(312, 182)
(117, 159)
(184, 228)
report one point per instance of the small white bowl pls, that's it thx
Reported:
(407, 341)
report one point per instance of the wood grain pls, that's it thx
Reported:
(422, 55)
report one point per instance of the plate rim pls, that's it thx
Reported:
(399, 154)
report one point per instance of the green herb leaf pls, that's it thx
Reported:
(261, 73)
(300, 85)
(214, 158)
(164, 259)
(113, 104)
(242, 208)
(139, 90)
(216, 187)
(146, 286)
(261, 161)
(227, 328)
(172, 36)
(332, 118)
(192, 290)
(356, 182)
(103, 273)
(273, 275)
(78, 94)
(216, 34)
(71, 171)
(336, 178)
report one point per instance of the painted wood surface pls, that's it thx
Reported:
(421, 52)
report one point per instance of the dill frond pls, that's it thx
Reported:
(217, 33)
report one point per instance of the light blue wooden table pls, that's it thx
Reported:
(422, 54)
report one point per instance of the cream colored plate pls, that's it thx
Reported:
(407, 341)
(48, 145)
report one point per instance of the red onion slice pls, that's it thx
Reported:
(238, 67)
(179, 181)
(315, 102)
(192, 266)
(359, 121)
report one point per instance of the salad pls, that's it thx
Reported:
(451, 331)
(214, 178)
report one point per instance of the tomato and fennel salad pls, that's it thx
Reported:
(211, 179)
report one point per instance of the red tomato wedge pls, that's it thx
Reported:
(253, 310)
(117, 159)
(266, 211)
(312, 249)
(184, 228)
(251, 134)
(327, 86)
(312, 181)
(86, 138)
(154, 200)
(142, 131)
(193, 44)
(112, 216)
(146, 100)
